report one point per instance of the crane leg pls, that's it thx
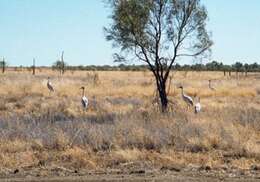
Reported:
(187, 107)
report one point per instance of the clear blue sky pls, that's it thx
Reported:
(44, 28)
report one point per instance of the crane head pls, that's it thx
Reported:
(181, 87)
(82, 88)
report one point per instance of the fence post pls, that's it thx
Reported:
(33, 67)
(3, 65)
(62, 63)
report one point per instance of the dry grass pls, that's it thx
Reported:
(122, 126)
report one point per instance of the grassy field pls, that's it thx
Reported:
(122, 127)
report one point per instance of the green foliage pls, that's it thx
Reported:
(238, 66)
(159, 27)
(214, 65)
(130, 17)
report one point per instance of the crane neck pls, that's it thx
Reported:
(182, 91)
(83, 92)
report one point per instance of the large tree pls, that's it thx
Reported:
(158, 32)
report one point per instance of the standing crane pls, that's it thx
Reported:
(197, 106)
(210, 86)
(84, 99)
(186, 98)
(49, 85)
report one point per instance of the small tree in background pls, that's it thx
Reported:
(60, 64)
(238, 67)
(158, 32)
(246, 66)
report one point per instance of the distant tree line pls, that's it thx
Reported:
(218, 66)
(211, 66)
(121, 67)
(61, 66)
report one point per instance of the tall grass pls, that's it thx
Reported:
(122, 125)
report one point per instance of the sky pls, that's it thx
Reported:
(42, 29)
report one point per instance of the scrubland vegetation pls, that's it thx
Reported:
(123, 127)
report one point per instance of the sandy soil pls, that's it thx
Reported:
(168, 177)
(168, 174)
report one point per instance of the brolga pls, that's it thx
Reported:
(84, 99)
(210, 86)
(197, 106)
(49, 85)
(186, 98)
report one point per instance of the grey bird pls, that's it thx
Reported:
(186, 98)
(49, 85)
(197, 106)
(84, 99)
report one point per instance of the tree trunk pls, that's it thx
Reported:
(161, 86)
